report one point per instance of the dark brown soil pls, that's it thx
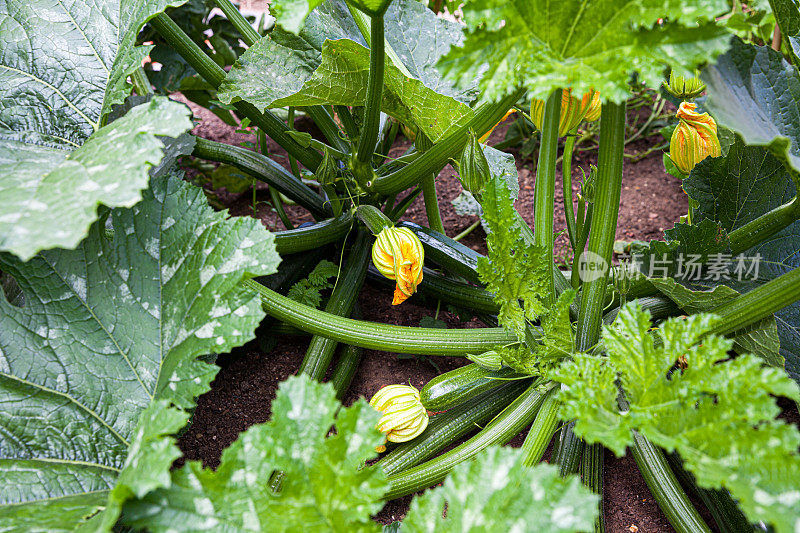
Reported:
(246, 384)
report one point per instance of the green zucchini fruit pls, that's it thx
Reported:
(439, 287)
(513, 419)
(447, 253)
(452, 388)
(311, 237)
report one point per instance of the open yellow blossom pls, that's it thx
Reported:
(404, 416)
(572, 110)
(398, 255)
(694, 139)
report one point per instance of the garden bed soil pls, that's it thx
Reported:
(245, 386)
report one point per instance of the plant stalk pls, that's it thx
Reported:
(758, 230)
(346, 117)
(249, 35)
(428, 184)
(604, 222)
(213, 74)
(758, 304)
(545, 187)
(432, 161)
(328, 127)
(601, 243)
(315, 236)
(566, 189)
(592, 476)
(140, 82)
(362, 169)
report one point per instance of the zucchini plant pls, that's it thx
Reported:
(110, 315)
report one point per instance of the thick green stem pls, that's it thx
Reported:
(403, 205)
(545, 187)
(542, 430)
(601, 246)
(500, 430)
(328, 127)
(263, 169)
(213, 74)
(604, 222)
(343, 298)
(665, 487)
(432, 203)
(347, 365)
(275, 198)
(566, 189)
(759, 303)
(375, 336)
(764, 227)
(249, 35)
(432, 161)
(346, 117)
(372, 107)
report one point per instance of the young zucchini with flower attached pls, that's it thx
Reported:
(404, 416)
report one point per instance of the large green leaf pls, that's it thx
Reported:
(328, 63)
(734, 190)
(290, 474)
(62, 66)
(106, 341)
(753, 91)
(544, 45)
(515, 272)
(43, 183)
(718, 413)
(495, 492)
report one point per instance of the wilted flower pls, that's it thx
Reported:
(404, 416)
(694, 139)
(398, 255)
(572, 110)
(683, 87)
(486, 135)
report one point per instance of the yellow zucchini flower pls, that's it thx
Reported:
(572, 110)
(694, 139)
(404, 416)
(398, 255)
